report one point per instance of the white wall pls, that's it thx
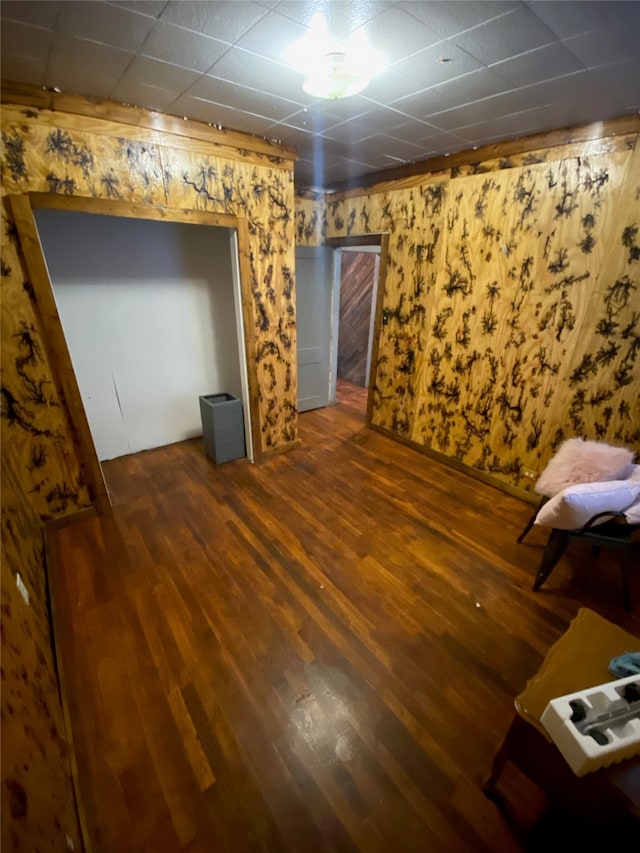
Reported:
(148, 313)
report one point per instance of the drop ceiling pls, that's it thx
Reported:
(459, 75)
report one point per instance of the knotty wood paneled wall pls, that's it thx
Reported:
(310, 218)
(57, 151)
(38, 809)
(511, 302)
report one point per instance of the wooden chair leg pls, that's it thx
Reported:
(555, 548)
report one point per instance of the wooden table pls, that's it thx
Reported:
(578, 660)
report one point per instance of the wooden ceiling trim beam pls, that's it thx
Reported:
(130, 210)
(46, 99)
(13, 113)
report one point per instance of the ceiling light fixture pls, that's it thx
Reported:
(333, 69)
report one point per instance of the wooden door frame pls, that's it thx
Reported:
(54, 342)
(382, 240)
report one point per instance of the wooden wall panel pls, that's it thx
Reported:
(310, 220)
(357, 271)
(38, 808)
(35, 429)
(511, 304)
(89, 157)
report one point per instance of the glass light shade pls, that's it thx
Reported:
(333, 70)
(335, 77)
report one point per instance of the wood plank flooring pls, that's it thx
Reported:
(318, 653)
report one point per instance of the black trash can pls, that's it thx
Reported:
(222, 427)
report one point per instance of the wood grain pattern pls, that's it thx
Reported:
(58, 355)
(332, 677)
(157, 167)
(35, 428)
(356, 290)
(86, 109)
(310, 219)
(38, 805)
(510, 310)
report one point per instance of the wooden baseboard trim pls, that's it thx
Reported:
(514, 491)
(276, 451)
(65, 520)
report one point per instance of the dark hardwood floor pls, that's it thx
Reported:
(318, 653)
(351, 397)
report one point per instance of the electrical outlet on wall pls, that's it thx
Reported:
(24, 592)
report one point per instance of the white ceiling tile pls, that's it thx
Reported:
(545, 63)
(448, 19)
(140, 95)
(144, 7)
(388, 86)
(271, 36)
(94, 83)
(256, 72)
(550, 117)
(345, 108)
(421, 103)
(439, 140)
(328, 147)
(601, 47)
(348, 131)
(558, 90)
(342, 16)
(506, 36)
(618, 83)
(38, 12)
(24, 40)
(99, 22)
(311, 120)
(427, 69)
(152, 72)
(359, 166)
(215, 114)
(242, 98)
(211, 19)
(22, 69)
(412, 129)
(468, 88)
(395, 34)
(193, 108)
(487, 108)
(568, 19)
(371, 151)
(517, 124)
(293, 135)
(183, 47)
(96, 60)
(381, 120)
(399, 147)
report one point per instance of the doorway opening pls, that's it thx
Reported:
(144, 325)
(147, 309)
(355, 291)
(322, 343)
